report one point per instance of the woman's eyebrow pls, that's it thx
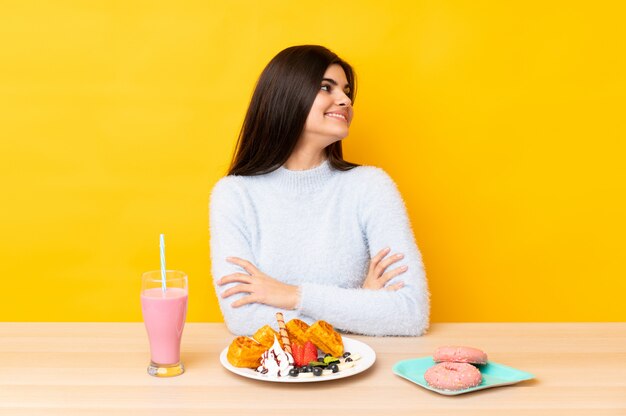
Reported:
(332, 81)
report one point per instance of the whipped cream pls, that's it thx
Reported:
(276, 362)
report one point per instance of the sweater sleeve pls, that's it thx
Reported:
(231, 217)
(385, 223)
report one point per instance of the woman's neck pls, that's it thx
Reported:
(304, 159)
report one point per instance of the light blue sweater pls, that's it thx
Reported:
(318, 229)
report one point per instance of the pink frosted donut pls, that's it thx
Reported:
(460, 355)
(453, 376)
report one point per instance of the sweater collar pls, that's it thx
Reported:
(303, 180)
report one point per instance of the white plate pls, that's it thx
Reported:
(368, 357)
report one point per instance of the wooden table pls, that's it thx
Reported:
(100, 369)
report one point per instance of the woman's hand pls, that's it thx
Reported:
(377, 278)
(261, 287)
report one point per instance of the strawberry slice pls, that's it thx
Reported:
(309, 352)
(297, 351)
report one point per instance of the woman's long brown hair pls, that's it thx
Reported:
(280, 105)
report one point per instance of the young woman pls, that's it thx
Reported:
(296, 228)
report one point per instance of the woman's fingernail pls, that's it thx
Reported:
(399, 255)
(405, 268)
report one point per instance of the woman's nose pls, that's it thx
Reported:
(344, 100)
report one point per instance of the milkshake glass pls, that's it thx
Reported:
(164, 315)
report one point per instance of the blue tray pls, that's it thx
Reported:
(494, 375)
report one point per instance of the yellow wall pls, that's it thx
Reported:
(502, 123)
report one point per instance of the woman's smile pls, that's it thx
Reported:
(337, 115)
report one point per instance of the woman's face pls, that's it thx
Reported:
(331, 114)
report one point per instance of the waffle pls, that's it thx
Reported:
(245, 352)
(265, 336)
(324, 336)
(297, 331)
